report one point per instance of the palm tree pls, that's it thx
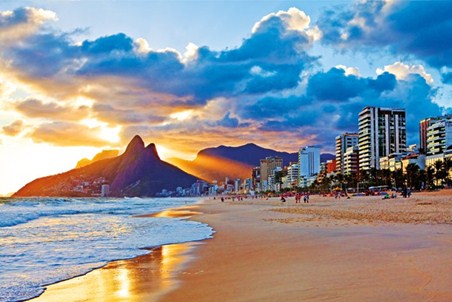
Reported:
(440, 172)
(399, 178)
(384, 177)
(373, 176)
(413, 175)
(447, 166)
(429, 176)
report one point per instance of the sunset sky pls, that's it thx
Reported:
(77, 77)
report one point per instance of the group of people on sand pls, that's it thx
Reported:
(406, 193)
(305, 197)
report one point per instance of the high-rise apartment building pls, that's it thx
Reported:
(351, 160)
(382, 131)
(439, 136)
(256, 178)
(423, 126)
(309, 160)
(267, 166)
(293, 171)
(343, 142)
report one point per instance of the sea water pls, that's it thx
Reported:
(46, 240)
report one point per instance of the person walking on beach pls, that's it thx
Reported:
(297, 198)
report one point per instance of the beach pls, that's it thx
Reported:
(357, 249)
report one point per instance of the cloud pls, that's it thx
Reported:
(349, 70)
(6, 88)
(228, 121)
(22, 22)
(270, 89)
(36, 108)
(402, 71)
(110, 114)
(333, 101)
(14, 128)
(277, 46)
(69, 134)
(293, 20)
(422, 29)
(335, 85)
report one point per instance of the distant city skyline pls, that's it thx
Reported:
(77, 77)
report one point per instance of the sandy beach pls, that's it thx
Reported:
(358, 249)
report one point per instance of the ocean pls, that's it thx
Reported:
(46, 240)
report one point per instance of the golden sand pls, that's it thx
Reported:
(358, 249)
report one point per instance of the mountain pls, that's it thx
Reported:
(324, 157)
(233, 162)
(99, 156)
(249, 154)
(137, 172)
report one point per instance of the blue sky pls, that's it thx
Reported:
(80, 76)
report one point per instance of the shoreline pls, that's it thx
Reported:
(259, 254)
(124, 279)
(263, 250)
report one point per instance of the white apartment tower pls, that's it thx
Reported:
(439, 136)
(309, 160)
(343, 142)
(293, 171)
(351, 161)
(382, 131)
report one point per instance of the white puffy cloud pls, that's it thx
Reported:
(294, 20)
(402, 71)
(349, 70)
(191, 52)
(142, 46)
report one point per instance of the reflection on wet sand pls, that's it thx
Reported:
(182, 212)
(144, 278)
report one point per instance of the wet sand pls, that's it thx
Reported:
(358, 249)
(144, 278)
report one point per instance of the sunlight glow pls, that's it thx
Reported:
(44, 160)
(124, 283)
(182, 115)
(105, 132)
(110, 134)
(165, 153)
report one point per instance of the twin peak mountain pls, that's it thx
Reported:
(139, 171)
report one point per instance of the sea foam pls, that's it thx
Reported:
(47, 240)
